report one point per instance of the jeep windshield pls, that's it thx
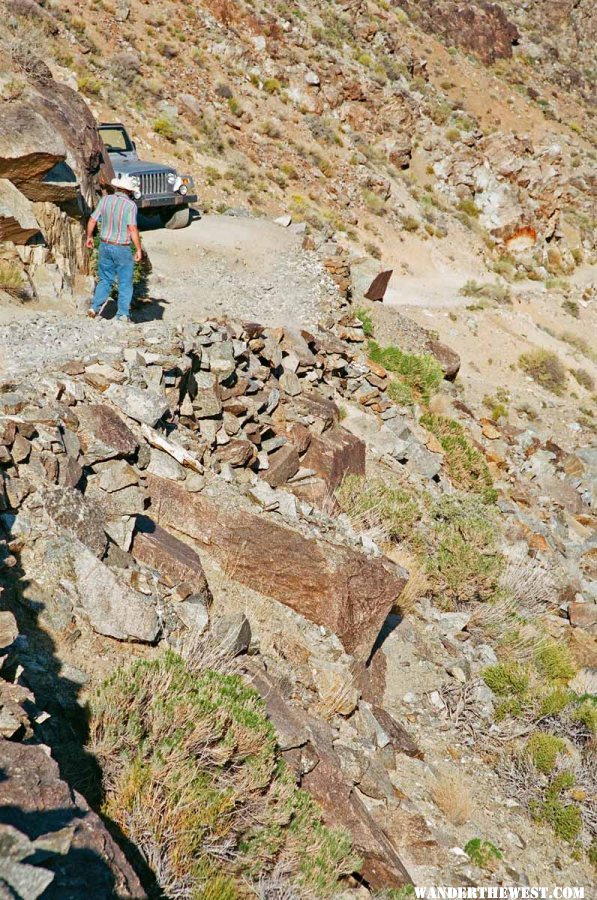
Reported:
(116, 139)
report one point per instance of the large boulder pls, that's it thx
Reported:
(80, 857)
(329, 584)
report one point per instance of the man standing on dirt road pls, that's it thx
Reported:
(117, 214)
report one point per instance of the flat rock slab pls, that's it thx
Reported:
(70, 511)
(87, 862)
(143, 406)
(103, 434)
(331, 585)
(171, 557)
(111, 607)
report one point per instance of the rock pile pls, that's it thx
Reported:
(223, 432)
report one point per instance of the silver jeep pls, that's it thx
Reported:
(162, 191)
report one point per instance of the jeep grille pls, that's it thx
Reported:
(154, 183)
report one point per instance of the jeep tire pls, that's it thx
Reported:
(176, 217)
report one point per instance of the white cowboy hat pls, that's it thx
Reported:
(125, 182)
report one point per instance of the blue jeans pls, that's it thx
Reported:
(115, 261)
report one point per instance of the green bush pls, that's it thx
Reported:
(544, 750)
(192, 773)
(464, 562)
(564, 818)
(165, 128)
(417, 377)
(465, 464)
(482, 853)
(507, 679)
(553, 661)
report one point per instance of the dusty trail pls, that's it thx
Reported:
(243, 268)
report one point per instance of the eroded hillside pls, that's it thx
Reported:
(298, 589)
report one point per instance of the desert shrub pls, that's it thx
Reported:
(584, 379)
(546, 368)
(464, 563)
(272, 86)
(580, 344)
(373, 250)
(125, 65)
(554, 662)
(165, 128)
(89, 84)
(409, 223)
(379, 505)
(192, 774)
(536, 688)
(544, 750)
(465, 465)
(498, 293)
(365, 319)
(373, 202)
(572, 308)
(469, 207)
(564, 818)
(416, 377)
(482, 853)
(507, 679)
(586, 714)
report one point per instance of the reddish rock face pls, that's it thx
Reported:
(173, 559)
(331, 585)
(480, 27)
(283, 464)
(382, 867)
(334, 454)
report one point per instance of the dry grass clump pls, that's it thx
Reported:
(546, 368)
(465, 465)
(452, 795)
(192, 775)
(378, 506)
(417, 585)
(464, 562)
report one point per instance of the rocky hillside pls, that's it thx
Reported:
(300, 600)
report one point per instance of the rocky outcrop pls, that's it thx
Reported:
(80, 857)
(50, 158)
(331, 585)
(478, 27)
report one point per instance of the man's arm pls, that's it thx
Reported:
(134, 233)
(91, 226)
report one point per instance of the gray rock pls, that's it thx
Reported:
(146, 406)
(110, 606)
(233, 633)
(221, 359)
(194, 614)
(116, 475)
(165, 466)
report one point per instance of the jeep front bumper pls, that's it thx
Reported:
(166, 200)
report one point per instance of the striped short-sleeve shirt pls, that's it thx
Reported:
(116, 213)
